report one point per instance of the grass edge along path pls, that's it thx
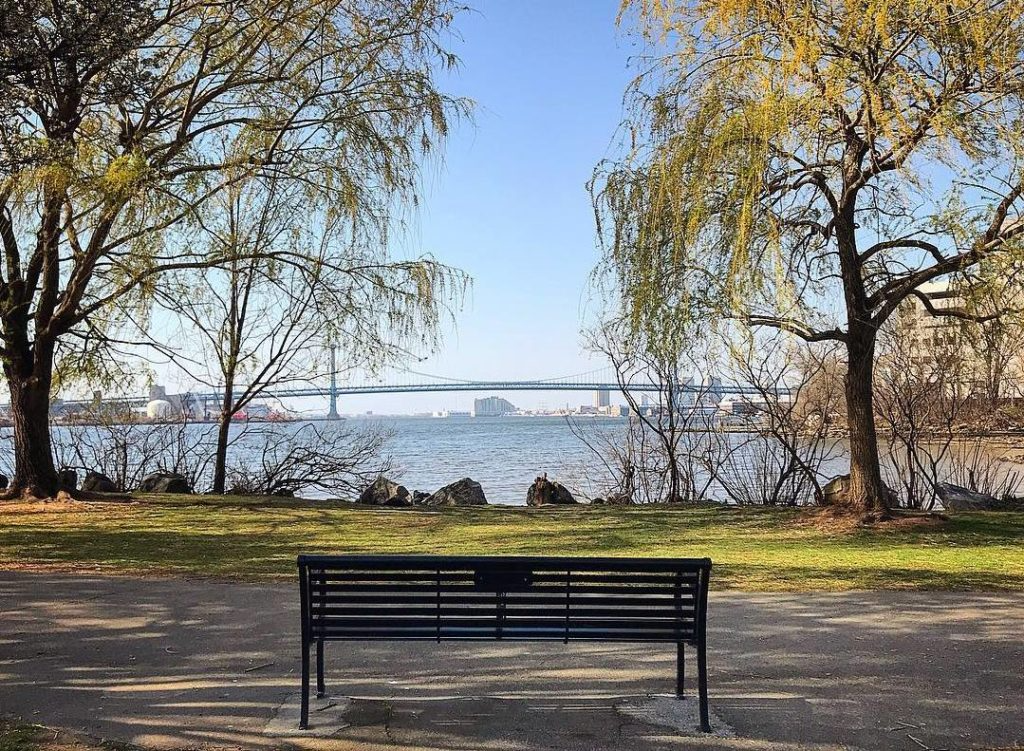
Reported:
(754, 548)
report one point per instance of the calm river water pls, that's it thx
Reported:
(503, 454)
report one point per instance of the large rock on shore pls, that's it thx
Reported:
(384, 492)
(957, 498)
(97, 482)
(165, 482)
(544, 491)
(465, 492)
(835, 491)
(69, 479)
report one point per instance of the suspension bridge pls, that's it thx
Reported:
(409, 381)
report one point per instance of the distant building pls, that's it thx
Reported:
(451, 413)
(935, 336)
(982, 366)
(745, 406)
(602, 398)
(159, 409)
(493, 406)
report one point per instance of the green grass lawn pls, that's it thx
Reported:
(752, 548)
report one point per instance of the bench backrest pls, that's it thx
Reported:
(444, 598)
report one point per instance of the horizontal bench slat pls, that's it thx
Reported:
(454, 577)
(622, 635)
(317, 590)
(461, 563)
(523, 599)
(638, 606)
(343, 622)
(575, 611)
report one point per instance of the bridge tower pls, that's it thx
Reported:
(332, 413)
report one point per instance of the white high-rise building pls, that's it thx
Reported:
(492, 406)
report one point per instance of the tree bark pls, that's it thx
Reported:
(866, 491)
(220, 461)
(34, 470)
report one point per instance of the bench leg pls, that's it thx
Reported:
(680, 670)
(321, 688)
(702, 686)
(304, 714)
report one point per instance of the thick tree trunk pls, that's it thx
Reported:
(34, 471)
(866, 492)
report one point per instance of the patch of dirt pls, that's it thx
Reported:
(47, 506)
(828, 519)
(74, 501)
(911, 521)
(835, 519)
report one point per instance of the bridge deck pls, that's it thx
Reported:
(716, 390)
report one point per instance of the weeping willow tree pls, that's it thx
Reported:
(810, 165)
(120, 120)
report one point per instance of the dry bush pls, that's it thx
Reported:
(115, 443)
(330, 458)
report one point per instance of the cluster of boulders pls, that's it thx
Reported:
(156, 482)
(385, 492)
(546, 492)
(464, 492)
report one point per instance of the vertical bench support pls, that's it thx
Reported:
(702, 657)
(304, 608)
(680, 647)
(680, 670)
(321, 686)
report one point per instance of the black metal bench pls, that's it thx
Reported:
(442, 598)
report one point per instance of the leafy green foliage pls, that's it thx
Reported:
(778, 158)
(122, 120)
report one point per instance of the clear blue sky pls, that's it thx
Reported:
(510, 205)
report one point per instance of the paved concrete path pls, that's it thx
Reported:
(175, 664)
